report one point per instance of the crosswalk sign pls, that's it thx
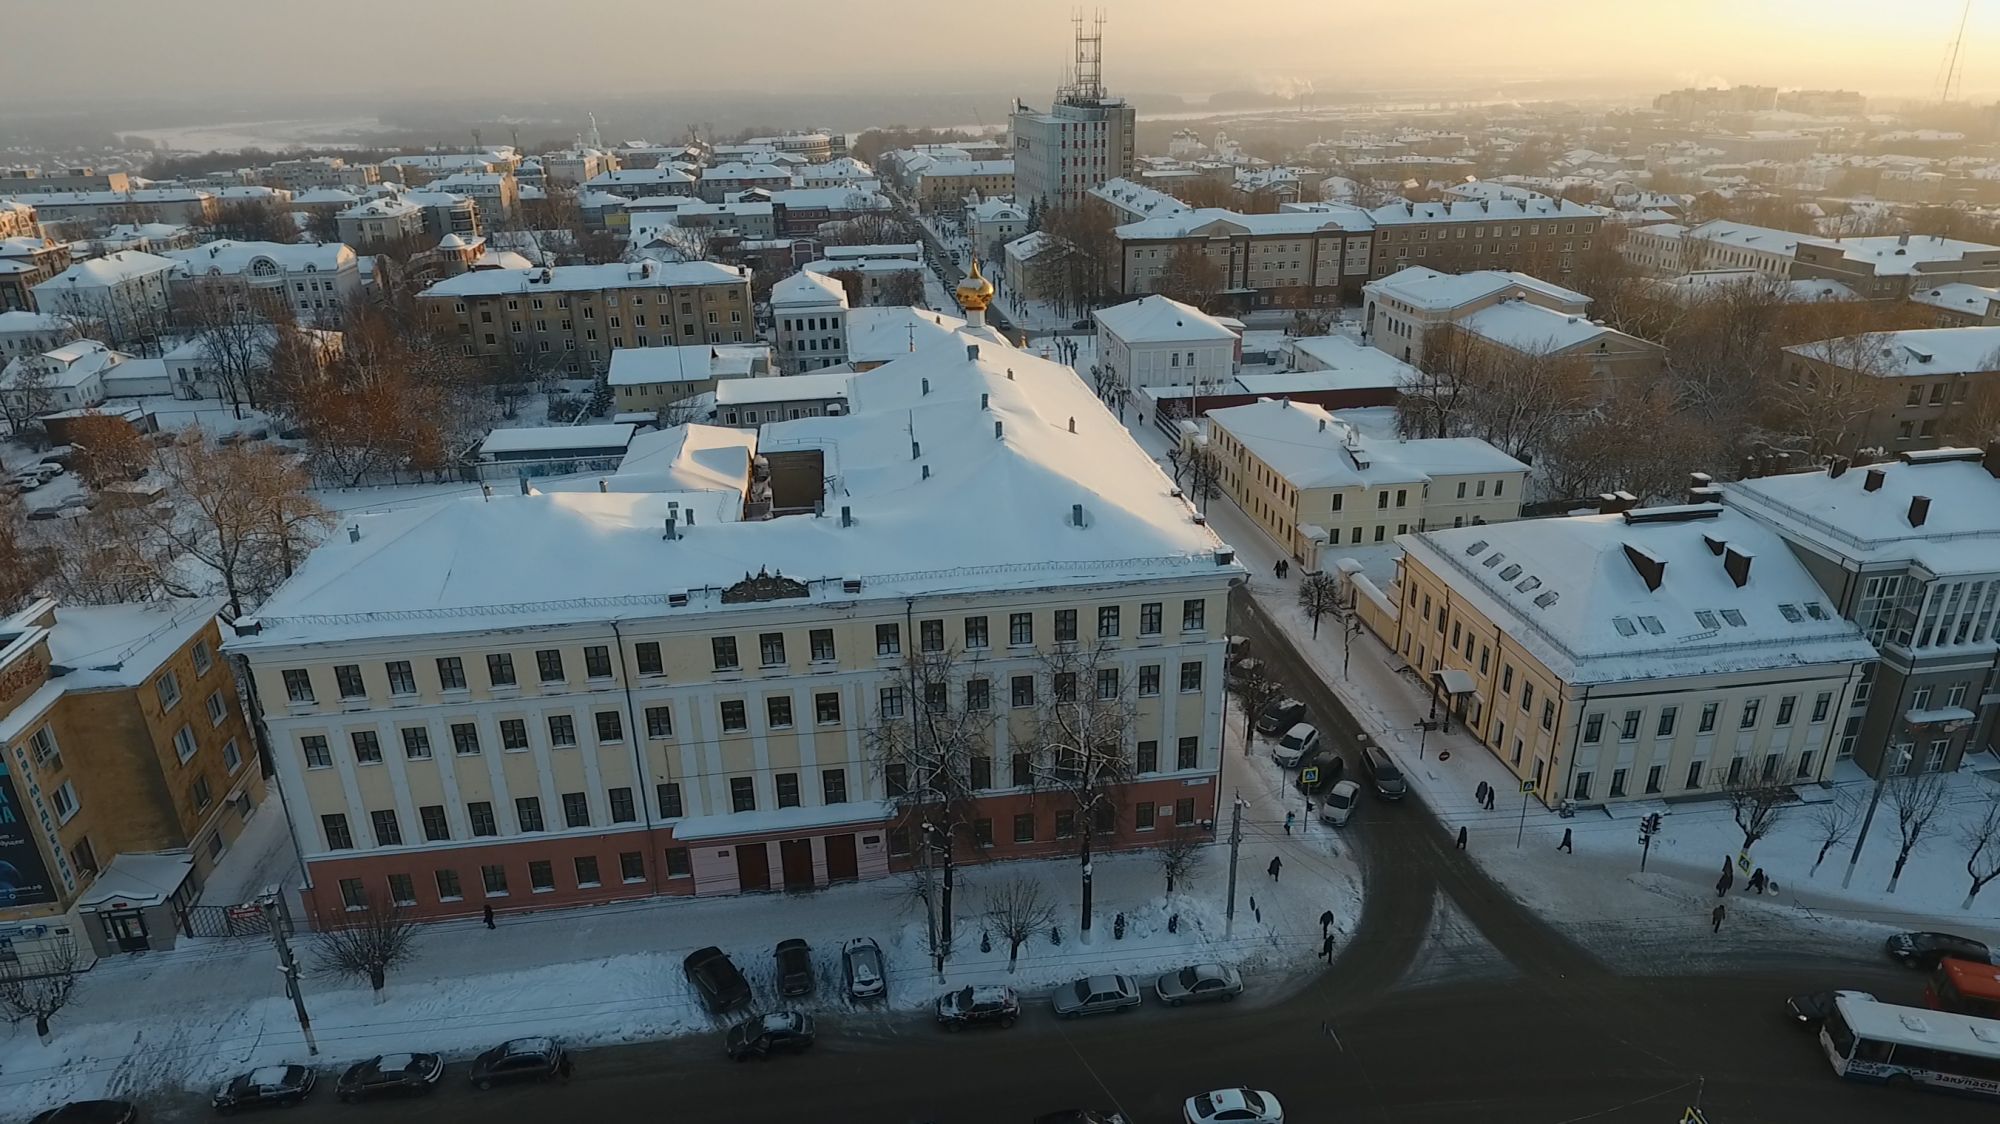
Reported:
(1693, 1116)
(1309, 775)
(1527, 786)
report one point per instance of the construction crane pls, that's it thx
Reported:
(1953, 74)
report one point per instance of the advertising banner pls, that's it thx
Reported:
(24, 878)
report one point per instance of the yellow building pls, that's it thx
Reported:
(124, 747)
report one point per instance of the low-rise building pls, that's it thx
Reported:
(879, 282)
(1158, 341)
(946, 185)
(25, 262)
(122, 297)
(1637, 655)
(69, 377)
(992, 223)
(640, 183)
(1958, 304)
(754, 402)
(125, 753)
(495, 195)
(1926, 384)
(1402, 309)
(1891, 267)
(316, 281)
(382, 221)
(723, 180)
(654, 378)
(18, 220)
(32, 333)
(815, 328)
(1316, 483)
(543, 450)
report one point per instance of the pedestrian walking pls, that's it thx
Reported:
(1278, 569)
(1757, 880)
(1326, 948)
(564, 1068)
(1326, 923)
(1716, 917)
(1723, 884)
(1277, 864)
(1479, 794)
(1289, 817)
(487, 915)
(1566, 845)
(1461, 838)
(1490, 793)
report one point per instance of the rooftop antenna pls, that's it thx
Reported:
(1086, 75)
(1953, 59)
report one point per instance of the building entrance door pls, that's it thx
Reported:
(753, 867)
(841, 864)
(797, 856)
(125, 929)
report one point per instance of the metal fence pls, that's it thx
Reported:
(244, 920)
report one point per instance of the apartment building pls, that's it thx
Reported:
(939, 184)
(31, 333)
(182, 206)
(693, 705)
(641, 183)
(1316, 483)
(1634, 655)
(421, 168)
(69, 181)
(1085, 138)
(1958, 304)
(815, 329)
(123, 293)
(891, 281)
(384, 220)
(18, 220)
(1530, 232)
(25, 262)
(572, 316)
(1158, 341)
(721, 181)
(315, 280)
(495, 195)
(318, 172)
(1927, 382)
(1298, 257)
(1891, 267)
(577, 165)
(1399, 311)
(121, 737)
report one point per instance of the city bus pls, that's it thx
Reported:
(1870, 1041)
(1965, 986)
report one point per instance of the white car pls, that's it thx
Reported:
(1338, 803)
(1233, 1106)
(1297, 742)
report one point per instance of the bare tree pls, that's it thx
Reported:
(1319, 594)
(109, 556)
(1914, 798)
(1252, 687)
(38, 986)
(236, 327)
(1982, 858)
(1757, 805)
(240, 510)
(1191, 277)
(1179, 854)
(1197, 470)
(904, 288)
(1832, 822)
(23, 563)
(368, 942)
(1078, 751)
(1833, 388)
(250, 220)
(108, 449)
(1017, 911)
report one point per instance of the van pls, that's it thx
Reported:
(1382, 772)
(1339, 804)
(1297, 742)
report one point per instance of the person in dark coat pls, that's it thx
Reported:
(1716, 917)
(1490, 791)
(1723, 884)
(1566, 844)
(487, 916)
(1289, 817)
(1277, 864)
(1461, 838)
(1479, 797)
(1326, 923)
(1326, 948)
(1758, 879)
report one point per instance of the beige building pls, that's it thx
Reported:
(18, 220)
(1927, 384)
(571, 317)
(1316, 483)
(123, 753)
(1530, 232)
(1313, 256)
(654, 378)
(686, 706)
(1641, 655)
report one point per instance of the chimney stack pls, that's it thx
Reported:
(1873, 481)
(916, 450)
(603, 485)
(1072, 423)
(1651, 567)
(1713, 544)
(972, 352)
(999, 430)
(1920, 510)
(1991, 460)
(1737, 562)
(1076, 515)
(846, 516)
(927, 472)
(524, 485)
(672, 531)
(927, 386)
(1837, 467)
(354, 532)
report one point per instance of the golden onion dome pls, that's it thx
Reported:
(975, 292)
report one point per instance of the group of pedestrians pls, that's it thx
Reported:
(1757, 884)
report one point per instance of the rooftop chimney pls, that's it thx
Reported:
(972, 352)
(1736, 561)
(672, 529)
(1076, 515)
(354, 532)
(916, 450)
(1651, 567)
(927, 472)
(1992, 458)
(999, 429)
(1873, 481)
(1613, 503)
(1837, 467)
(1072, 423)
(927, 386)
(846, 516)
(1920, 510)
(1713, 544)
(603, 485)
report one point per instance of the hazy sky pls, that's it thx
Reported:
(532, 48)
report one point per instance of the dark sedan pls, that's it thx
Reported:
(390, 1075)
(716, 977)
(90, 1112)
(1279, 716)
(518, 1059)
(266, 1086)
(786, 1032)
(1924, 950)
(1811, 1009)
(795, 967)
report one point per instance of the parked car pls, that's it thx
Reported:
(989, 1005)
(1198, 983)
(1080, 325)
(1338, 804)
(90, 1112)
(48, 469)
(76, 503)
(389, 1075)
(1330, 766)
(1081, 1116)
(26, 481)
(265, 1086)
(46, 511)
(861, 963)
(765, 1035)
(1233, 1106)
(1095, 995)
(1811, 1010)
(795, 967)
(716, 977)
(1298, 741)
(62, 456)
(1924, 950)
(1382, 771)
(1280, 716)
(517, 1059)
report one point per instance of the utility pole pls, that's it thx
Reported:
(1521, 831)
(1235, 845)
(1874, 800)
(289, 967)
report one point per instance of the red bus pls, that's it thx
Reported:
(1965, 986)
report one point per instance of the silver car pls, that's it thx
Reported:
(1095, 995)
(861, 962)
(1198, 983)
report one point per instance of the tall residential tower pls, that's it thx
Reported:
(1084, 139)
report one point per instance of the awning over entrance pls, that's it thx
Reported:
(1453, 681)
(134, 881)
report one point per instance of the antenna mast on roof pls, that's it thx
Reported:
(1086, 77)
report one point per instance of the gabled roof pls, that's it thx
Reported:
(109, 270)
(806, 288)
(687, 458)
(1960, 531)
(1429, 289)
(1159, 319)
(1312, 448)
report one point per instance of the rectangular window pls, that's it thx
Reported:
(353, 895)
(479, 813)
(562, 731)
(388, 833)
(541, 876)
(1149, 680)
(1708, 713)
(513, 734)
(1020, 629)
(367, 747)
(1024, 827)
(549, 665)
(623, 810)
(1194, 615)
(1749, 718)
(1065, 626)
(436, 827)
(576, 809)
(597, 661)
(298, 685)
(778, 712)
(416, 743)
(1184, 810)
(1023, 688)
(978, 695)
(647, 655)
(788, 789)
(1580, 788)
(500, 669)
(1107, 622)
(678, 863)
(735, 716)
(1107, 683)
(448, 886)
(347, 680)
(1064, 683)
(528, 812)
(1628, 728)
(1785, 707)
(451, 673)
(610, 726)
(975, 632)
(771, 649)
(586, 871)
(168, 687)
(49, 756)
(1150, 615)
(1189, 753)
(888, 640)
(402, 679)
(202, 659)
(631, 866)
(1143, 815)
(337, 837)
(659, 722)
(668, 796)
(494, 878)
(826, 707)
(890, 702)
(1665, 727)
(201, 792)
(1146, 758)
(1593, 729)
(742, 794)
(930, 636)
(1694, 774)
(821, 640)
(1548, 714)
(232, 757)
(185, 745)
(833, 786)
(1023, 771)
(1065, 825)
(1191, 675)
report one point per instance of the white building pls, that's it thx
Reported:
(1158, 341)
(993, 223)
(316, 280)
(31, 333)
(884, 281)
(809, 312)
(1398, 310)
(653, 378)
(126, 292)
(379, 221)
(638, 183)
(70, 377)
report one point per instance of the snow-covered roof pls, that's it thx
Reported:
(381, 207)
(665, 174)
(228, 256)
(1181, 224)
(1705, 283)
(998, 210)
(1531, 328)
(1900, 254)
(879, 334)
(135, 197)
(324, 195)
(556, 438)
(807, 288)
(138, 878)
(1960, 532)
(1531, 206)
(1576, 593)
(109, 270)
(789, 388)
(739, 171)
(1919, 352)
(1960, 296)
(847, 197)
(1158, 319)
(68, 366)
(639, 366)
(519, 560)
(123, 645)
(573, 278)
(1343, 355)
(688, 458)
(16, 321)
(863, 265)
(1313, 448)
(1429, 289)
